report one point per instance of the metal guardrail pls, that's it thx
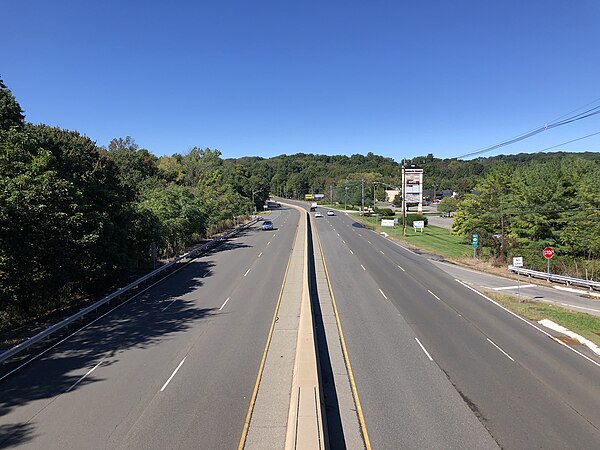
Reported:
(192, 254)
(591, 285)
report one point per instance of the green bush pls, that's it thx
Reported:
(410, 218)
(384, 211)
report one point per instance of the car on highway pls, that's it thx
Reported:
(267, 225)
(318, 214)
(330, 213)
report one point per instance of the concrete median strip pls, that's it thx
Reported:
(285, 411)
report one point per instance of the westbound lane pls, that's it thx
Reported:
(525, 388)
(173, 368)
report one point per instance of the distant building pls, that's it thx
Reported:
(390, 194)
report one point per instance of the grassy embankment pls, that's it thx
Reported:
(434, 239)
(439, 241)
(583, 324)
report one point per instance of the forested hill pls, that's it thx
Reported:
(298, 174)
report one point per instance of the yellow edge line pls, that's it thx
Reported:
(359, 411)
(264, 357)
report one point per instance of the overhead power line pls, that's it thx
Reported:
(568, 142)
(557, 123)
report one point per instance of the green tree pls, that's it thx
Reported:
(11, 114)
(448, 205)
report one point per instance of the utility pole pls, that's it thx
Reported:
(362, 188)
(346, 197)
(374, 185)
(331, 190)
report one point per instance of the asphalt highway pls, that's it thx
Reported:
(173, 368)
(439, 366)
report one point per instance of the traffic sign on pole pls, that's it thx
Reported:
(548, 252)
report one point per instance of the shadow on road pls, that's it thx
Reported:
(335, 431)
(141, 322)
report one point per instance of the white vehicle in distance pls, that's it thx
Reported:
(330, 213)
(318, 214)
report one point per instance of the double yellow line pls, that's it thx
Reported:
(264, 357)
(359, 411)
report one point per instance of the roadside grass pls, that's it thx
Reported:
(434, 239)
(583, 324)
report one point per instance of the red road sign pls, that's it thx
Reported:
(548, 252)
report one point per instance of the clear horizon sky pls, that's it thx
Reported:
(264, 78)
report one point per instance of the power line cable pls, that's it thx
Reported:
(556, 123)
(568, 142)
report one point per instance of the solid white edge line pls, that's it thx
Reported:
(363, 267)
(505, 354)
(383, 294)
(580, 307)
(528, 323)
(170, 303)
(224, 303)
(423, 348)
(513, 287)
(81, 379)
(92, 322)
(247, 272)
(172, 375)
(402, 247)
(401, 269)
(434, 295)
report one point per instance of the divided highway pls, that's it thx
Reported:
(173, 368)
(438, 366)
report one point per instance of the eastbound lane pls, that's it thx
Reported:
(526, 389)
(173, 368)
(407, 401)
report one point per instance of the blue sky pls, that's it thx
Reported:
(397, 78)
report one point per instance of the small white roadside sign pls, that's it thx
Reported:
(419, 225)
(518, 261)
(387, 222)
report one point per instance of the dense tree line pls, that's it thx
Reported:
(75, 218)
(522, 208)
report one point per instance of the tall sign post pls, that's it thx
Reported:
(412, 190)
(403, 203)
(548, 254)
(475, 243)
(518, 262)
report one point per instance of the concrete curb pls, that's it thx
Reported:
(305, 420)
